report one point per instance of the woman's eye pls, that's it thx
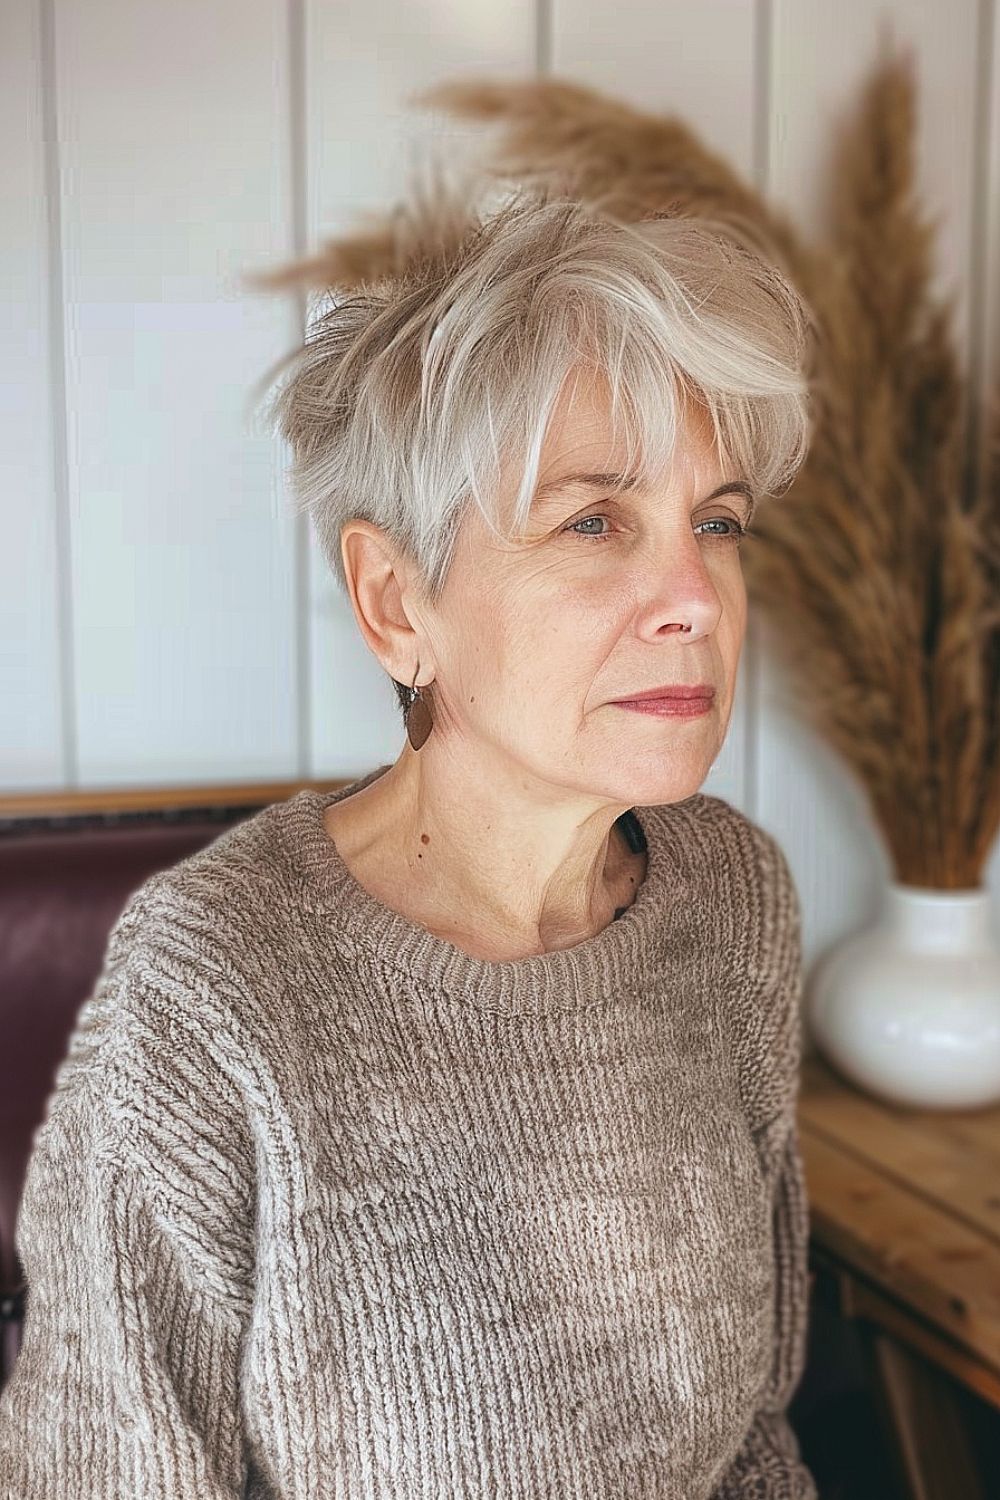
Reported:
(589, 522)
(735, 533)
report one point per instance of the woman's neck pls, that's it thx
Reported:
(500, 870)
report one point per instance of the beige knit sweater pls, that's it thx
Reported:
(327, 1208)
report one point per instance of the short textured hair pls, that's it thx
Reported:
(411, 392)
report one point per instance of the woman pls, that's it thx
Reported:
(436, 1137)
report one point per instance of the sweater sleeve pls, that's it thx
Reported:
(768, 1464)
(133, 1233)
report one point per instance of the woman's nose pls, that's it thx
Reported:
(679, 594)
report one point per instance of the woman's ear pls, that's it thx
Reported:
(380, 581)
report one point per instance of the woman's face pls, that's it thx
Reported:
(537, 641)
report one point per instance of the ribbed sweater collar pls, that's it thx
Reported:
(588, 974)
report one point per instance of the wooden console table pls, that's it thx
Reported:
(905, 1214)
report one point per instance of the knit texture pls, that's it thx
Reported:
(325, 1208)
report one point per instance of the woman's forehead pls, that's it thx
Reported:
(588, 451)
(583, 438)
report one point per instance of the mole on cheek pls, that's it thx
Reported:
(425, 838)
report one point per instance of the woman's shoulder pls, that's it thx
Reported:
(741, 875)
(710, 834)
(239, 878)
(192, 965)
(752, 869)
(228, 903)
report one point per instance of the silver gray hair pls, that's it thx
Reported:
(411, 393)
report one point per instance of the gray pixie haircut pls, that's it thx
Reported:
(411, 392)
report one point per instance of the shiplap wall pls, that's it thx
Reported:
(164, 619)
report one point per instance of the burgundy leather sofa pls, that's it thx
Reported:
(63, 882)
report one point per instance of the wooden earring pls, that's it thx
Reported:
(419, 720)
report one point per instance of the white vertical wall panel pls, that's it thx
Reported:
(173, 124)
(821, 55)
(364, 62)
(31, 753)
(699, 62)
(696, 61)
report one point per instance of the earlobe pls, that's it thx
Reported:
(377, 575)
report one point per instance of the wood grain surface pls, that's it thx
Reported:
(905, 1203)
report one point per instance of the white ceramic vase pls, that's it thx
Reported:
(909, 1008)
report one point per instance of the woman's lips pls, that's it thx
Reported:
(667, 708)
(672, 703)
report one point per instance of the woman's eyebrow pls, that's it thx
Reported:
(619, 482)
(586, 481)
(734, 487)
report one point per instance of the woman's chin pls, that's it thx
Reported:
(677, 789)
(671, 764)
(645, 783)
